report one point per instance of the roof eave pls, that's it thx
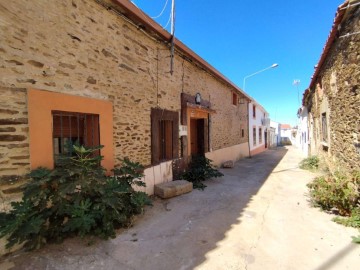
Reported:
(331, 38)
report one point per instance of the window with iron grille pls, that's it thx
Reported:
(254, 136)
(254, 111)
(260, 135)
(324, 127)
(71, 128)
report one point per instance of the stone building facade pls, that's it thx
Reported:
(80, 59)
(333, 97)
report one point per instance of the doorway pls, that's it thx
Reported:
(266, 138)
(197, 136)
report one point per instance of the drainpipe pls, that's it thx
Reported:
(248, 120)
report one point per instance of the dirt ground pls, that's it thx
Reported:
(255, 217)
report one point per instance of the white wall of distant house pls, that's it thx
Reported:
(257, 122)
(302, 138)
(276, 139)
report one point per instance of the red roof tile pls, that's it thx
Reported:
(285, 126)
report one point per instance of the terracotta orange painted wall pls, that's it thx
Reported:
(40, 106)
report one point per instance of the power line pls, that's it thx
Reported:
(167, 22)
(162, 11)
(143, 14)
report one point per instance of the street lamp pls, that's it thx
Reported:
(257, 72)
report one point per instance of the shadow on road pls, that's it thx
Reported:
(174, 234)
(337, 257)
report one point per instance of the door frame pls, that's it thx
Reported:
(189, 110)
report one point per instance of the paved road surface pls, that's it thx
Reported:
(255, 217)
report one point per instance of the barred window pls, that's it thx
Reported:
(71, 128)
(260, 135)
(254, 136)
(324, 127)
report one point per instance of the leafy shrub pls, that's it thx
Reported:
(199, 170)
(337, 191)
(310, 163)
(75, 198)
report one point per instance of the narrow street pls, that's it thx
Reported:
(255, 217)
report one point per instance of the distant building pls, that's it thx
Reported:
(333, 97)
(285, 134)
(275, 131)
(259, 124)
(302, 137)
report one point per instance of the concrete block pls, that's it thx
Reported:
(173, 188)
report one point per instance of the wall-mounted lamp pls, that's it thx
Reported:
(198, 98)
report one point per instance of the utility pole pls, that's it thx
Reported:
(172, 48)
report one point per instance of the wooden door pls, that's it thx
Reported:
(201, 136)
(193, 137)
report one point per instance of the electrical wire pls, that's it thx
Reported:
(168, 22)
(142, 12)
(146, 17)
(162, 11)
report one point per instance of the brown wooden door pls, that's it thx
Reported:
(193, 136)
(201, 136)
(266, 139)
(197, 136)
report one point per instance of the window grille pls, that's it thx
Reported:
(324, 128)
(260, 135)
(254, 136)
(72, 128)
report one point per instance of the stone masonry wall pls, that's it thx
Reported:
(78, 47)
(338, 94)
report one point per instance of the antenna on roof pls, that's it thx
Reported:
(172, 48)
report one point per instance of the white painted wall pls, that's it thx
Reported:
(233, 153)
(285, 133)
(163, 172)
(261, 114)
(302, 138)
(276, 126)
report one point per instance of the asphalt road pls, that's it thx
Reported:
(255, 217)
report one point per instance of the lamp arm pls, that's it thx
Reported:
(257, 72)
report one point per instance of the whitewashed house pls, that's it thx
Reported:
(275, 137)
(259, 124)
(285, 134)
(302, 137)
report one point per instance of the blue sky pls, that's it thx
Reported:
(241, 37)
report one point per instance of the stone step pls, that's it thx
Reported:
(173, 188)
